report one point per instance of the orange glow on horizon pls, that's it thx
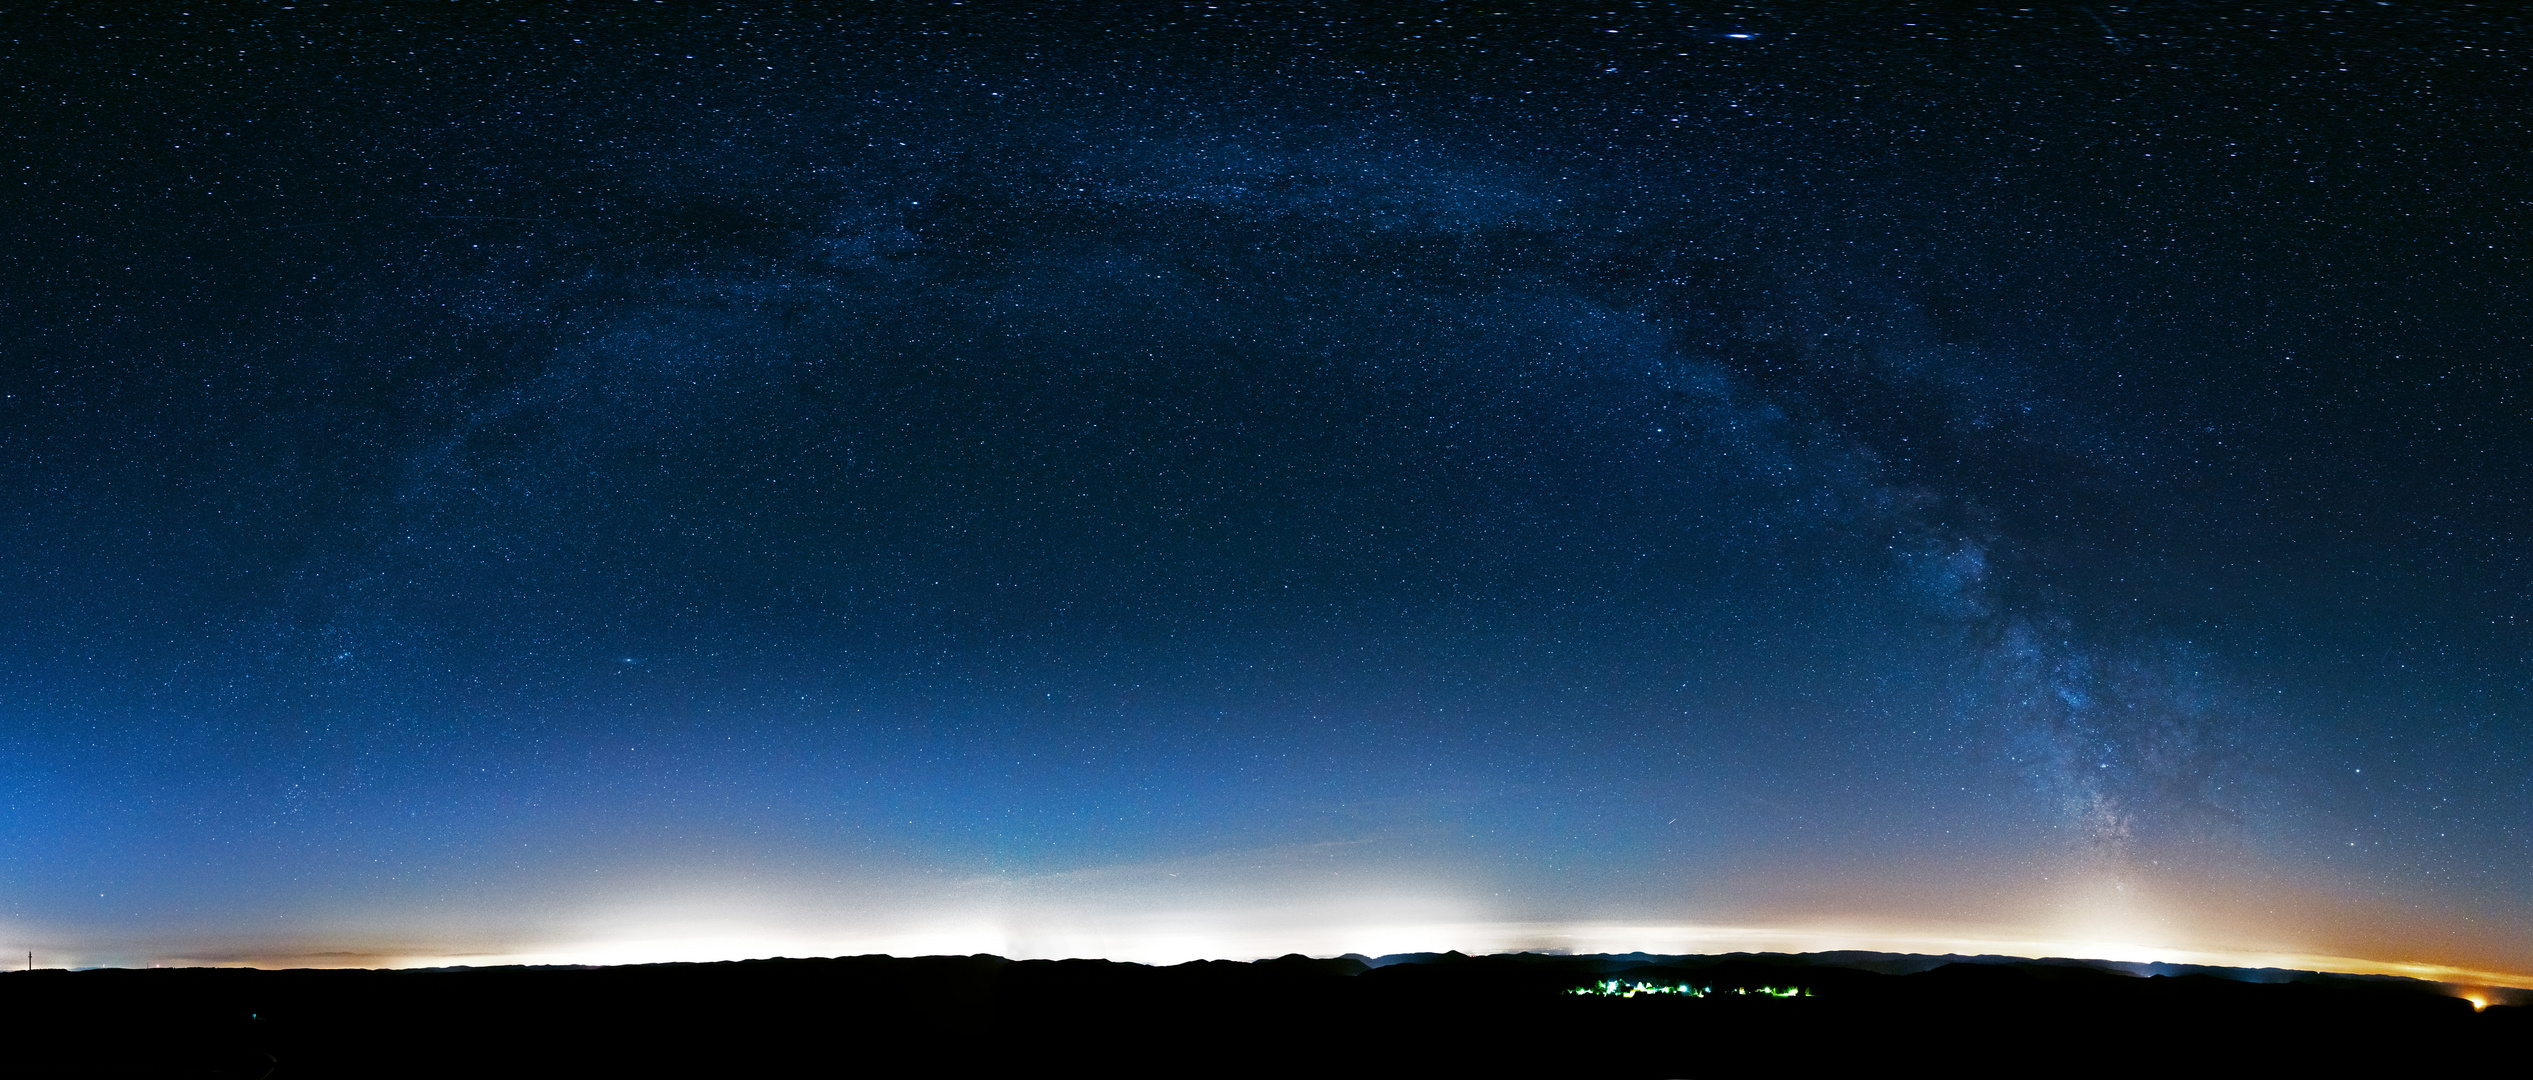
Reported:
(1189, 938)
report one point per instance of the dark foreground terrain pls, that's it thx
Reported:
(1422, 1015)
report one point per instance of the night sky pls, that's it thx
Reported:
(669, 481)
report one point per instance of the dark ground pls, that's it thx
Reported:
(1417, 1016)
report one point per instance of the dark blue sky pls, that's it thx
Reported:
(1213, 479)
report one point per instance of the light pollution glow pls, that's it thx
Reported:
(1181, 937)
(1208, 909)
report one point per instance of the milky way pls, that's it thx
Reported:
(1159, 482)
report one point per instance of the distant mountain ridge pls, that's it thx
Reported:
(1616, 1015)
(1888, 963)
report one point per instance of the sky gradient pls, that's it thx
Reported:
(1221, 480)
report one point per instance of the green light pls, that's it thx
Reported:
(1623, 988)
(1638, 988)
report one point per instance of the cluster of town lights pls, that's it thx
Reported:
(1626, 988)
